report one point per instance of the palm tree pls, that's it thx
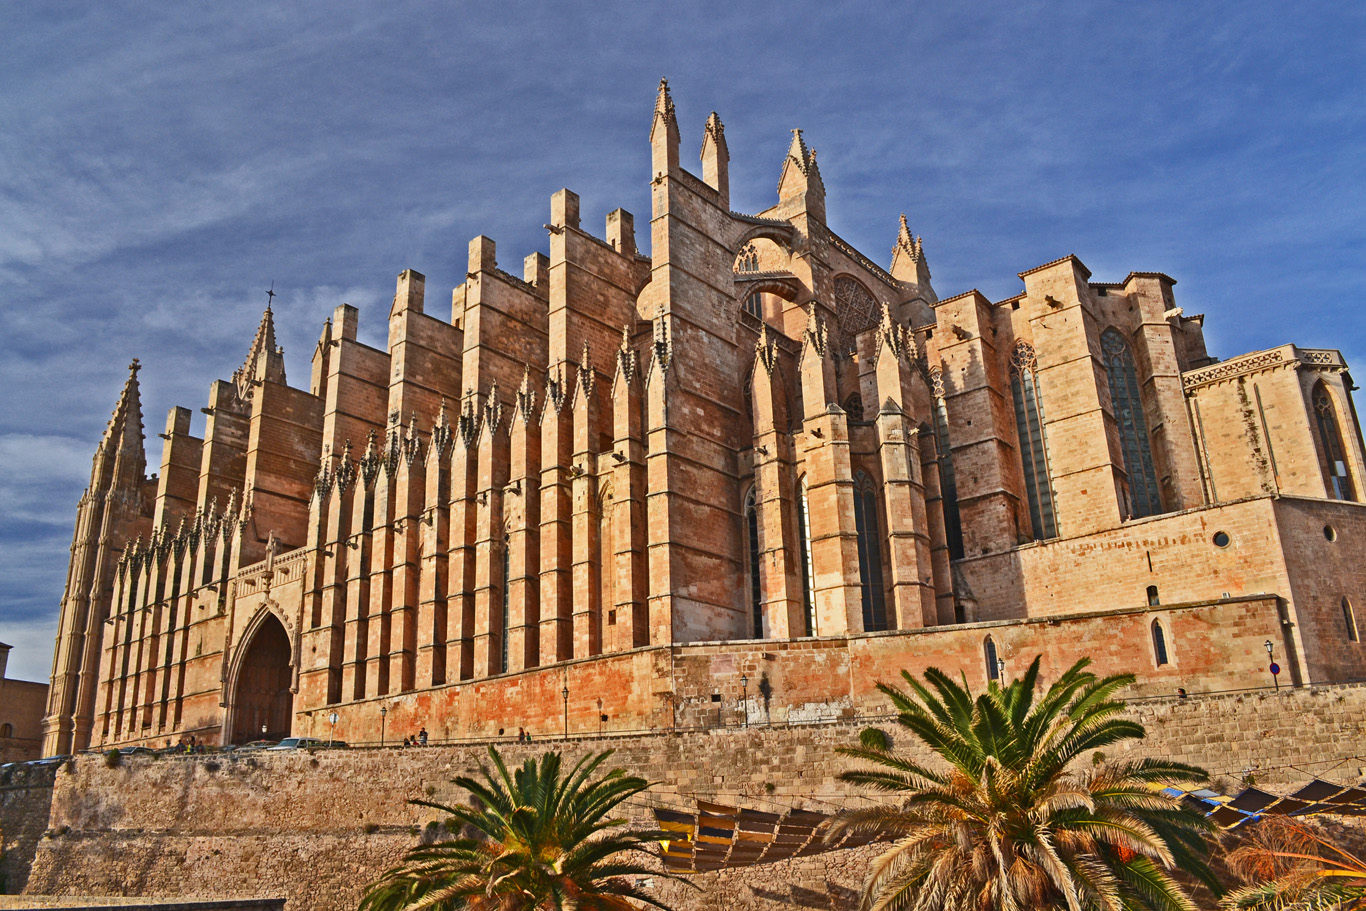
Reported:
(533, 839)
(1293, 868)
(1009, 822)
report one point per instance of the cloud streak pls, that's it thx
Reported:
(159, 168)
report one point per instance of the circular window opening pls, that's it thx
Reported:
(1221, 539)
(1330, 533)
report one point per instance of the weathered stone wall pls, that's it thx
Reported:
(319, 827)
(25, 802)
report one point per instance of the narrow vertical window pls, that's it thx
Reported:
(1144, 498)
(506, 623)
(948, 485)
(993, 662)
(1152, 595)
(1033, 451)
(756, 605)
(1330, 437)
(808, 568)
(1159, 644)
(754, 305)
(1350, 620)
(869, 554)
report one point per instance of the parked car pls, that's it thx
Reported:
(307, 743)
(49, 760)
(255, 745)
(129, 751)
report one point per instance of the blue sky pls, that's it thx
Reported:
(160, 168)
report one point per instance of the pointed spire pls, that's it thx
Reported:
(816, 334)
(664, 107)
(796, 150)
(120, 460)
(908, 258)
(265, 360)
(664, 134)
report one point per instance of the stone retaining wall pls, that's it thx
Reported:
(318, 827)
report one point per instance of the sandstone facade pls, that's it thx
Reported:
(752, 469)
(22, 706)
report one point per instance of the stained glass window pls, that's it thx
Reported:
(1144, 497)
(755, 591)
(948, 485)
(1339, 480)
(1033, 451)
(808, 568)
(869, 554)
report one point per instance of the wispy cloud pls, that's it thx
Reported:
(165, 166)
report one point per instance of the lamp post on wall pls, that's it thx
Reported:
(565, 693)
(383, 710)
(332, 734)
(744, 689)
(1274, 668)
(1001, 671)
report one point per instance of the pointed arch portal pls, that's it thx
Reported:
(262, 696)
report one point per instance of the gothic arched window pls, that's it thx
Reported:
(1330, 436)
(993, 661)
(808, 568)
(1159, 644)
(869, 554)
(948, 485)
(1024, 386)
(756, 604)
(1144, 498)
(754, 305)
(747, 260)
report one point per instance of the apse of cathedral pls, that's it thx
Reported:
(752, 470)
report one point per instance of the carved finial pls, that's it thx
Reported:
(441, 432)
(370, 461)
(525, 408)
(626, 355)
(663, 343)
(664, 103)
(586, 372)
(715, 129)
(816, 334)
(469, 418)
(135, 366)
(765, 350)
(493, 409)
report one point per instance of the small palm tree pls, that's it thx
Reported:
(533, 839)
(1008, 823)
(1293, 868)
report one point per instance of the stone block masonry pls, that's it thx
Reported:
(318, 827)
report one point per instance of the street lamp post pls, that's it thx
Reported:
(1275, 668)
(1001, 671)
(744, 689)
(332, 735)
(565, 693)
(383, 710)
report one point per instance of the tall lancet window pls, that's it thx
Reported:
(948, 486)
(1144, 498)
(505, 620)
(808, 567)
(756, 605)
(1330, 437)
(869, 553)
(1024, 386)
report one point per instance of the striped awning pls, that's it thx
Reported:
(716, 836)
